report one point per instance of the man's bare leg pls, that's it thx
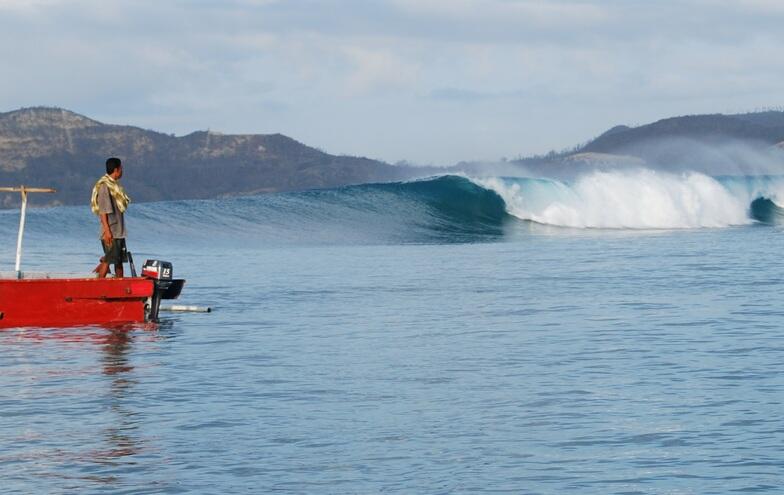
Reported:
(118, 270)
(98, 266)
(102, 270)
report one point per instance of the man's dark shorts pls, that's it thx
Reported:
(116, 253)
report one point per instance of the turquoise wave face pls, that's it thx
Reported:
(437, 210)
(766, 211)
(765, 194)
(443, 209)
(447, 204)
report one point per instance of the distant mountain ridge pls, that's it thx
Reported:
(745, 143)
(764, 127)
(53, 147)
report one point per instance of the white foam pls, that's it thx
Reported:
(635, 199)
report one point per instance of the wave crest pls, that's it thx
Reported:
(640, 199)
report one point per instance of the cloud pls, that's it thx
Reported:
(424, 80)
(378, 70)
(756, 6)
(25, 6)
(469, 96)
(523, 14)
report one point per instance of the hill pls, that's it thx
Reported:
(716, 144)
(57, 148)
(762, 128)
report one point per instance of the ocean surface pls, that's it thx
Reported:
(621, 333)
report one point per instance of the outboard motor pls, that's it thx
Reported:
(166, 286)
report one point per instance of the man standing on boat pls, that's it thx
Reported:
(109, 202)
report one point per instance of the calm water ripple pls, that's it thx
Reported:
(600, 363)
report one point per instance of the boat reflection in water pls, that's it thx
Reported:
(122, 438)
(81, 419)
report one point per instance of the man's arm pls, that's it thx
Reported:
(105, 207)
(107, 231)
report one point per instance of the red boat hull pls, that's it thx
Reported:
(73, 302)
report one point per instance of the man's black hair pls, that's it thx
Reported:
(112, 164)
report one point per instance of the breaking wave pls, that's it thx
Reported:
(447, 208)
(641, 199)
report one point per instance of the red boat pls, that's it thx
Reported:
(46, 300)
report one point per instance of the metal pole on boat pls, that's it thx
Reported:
(18, 267)
(24, 190)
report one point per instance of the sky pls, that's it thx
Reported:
(431, 82)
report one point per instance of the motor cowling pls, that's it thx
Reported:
(157, 270)
(166, 287)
